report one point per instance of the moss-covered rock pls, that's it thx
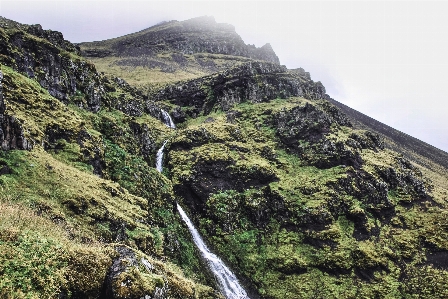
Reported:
(253, 82)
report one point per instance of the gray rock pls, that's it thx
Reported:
(52, 65)
(126, 260)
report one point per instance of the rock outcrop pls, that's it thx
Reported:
(44, 55)
(133, 276)
(253, 82)
(55, 69)
(304, 131)
(126, 280)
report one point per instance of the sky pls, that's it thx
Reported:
(386, 59)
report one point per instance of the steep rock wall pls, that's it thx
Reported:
(60, 72)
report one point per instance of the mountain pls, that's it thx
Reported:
(299, 195)
(198, 35)
(174, 50)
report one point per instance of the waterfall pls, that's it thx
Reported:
(159, 157)
(167, 119)
(227, 281)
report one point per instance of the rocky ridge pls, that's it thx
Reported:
(252, 81)
(198, 35)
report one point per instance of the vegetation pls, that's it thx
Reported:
(299, 235)
(298, 201)
(62, 222)
(162, 69)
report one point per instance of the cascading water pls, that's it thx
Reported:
(159, 157)
(226, 279)
(167, 119)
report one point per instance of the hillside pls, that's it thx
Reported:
(411, 147)
(300, 196)
(174, 50)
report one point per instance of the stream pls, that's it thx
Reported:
(227, 281)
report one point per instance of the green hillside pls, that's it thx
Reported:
(298, 198)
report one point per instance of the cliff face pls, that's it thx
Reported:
(282, 185)
(254, 82)
(45, 56)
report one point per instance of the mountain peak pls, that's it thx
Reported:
(198, 35)
(207, 23)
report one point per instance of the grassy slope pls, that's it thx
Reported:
(60, 223)
(137, 72)
(288, 260)
(416, 150)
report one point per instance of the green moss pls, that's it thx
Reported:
(40, 260)
(291, 257)
(136, 284)
(36, 110)
(70, 153)
(31, 265)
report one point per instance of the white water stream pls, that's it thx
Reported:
(159, 157)
(227, 281)
(167, 119)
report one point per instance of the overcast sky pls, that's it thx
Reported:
(388, 60)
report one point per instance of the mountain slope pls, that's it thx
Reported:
(85, 181)
(296, 197)
(407, 145)
(304, 205)
(198, 35)
(174, 50)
